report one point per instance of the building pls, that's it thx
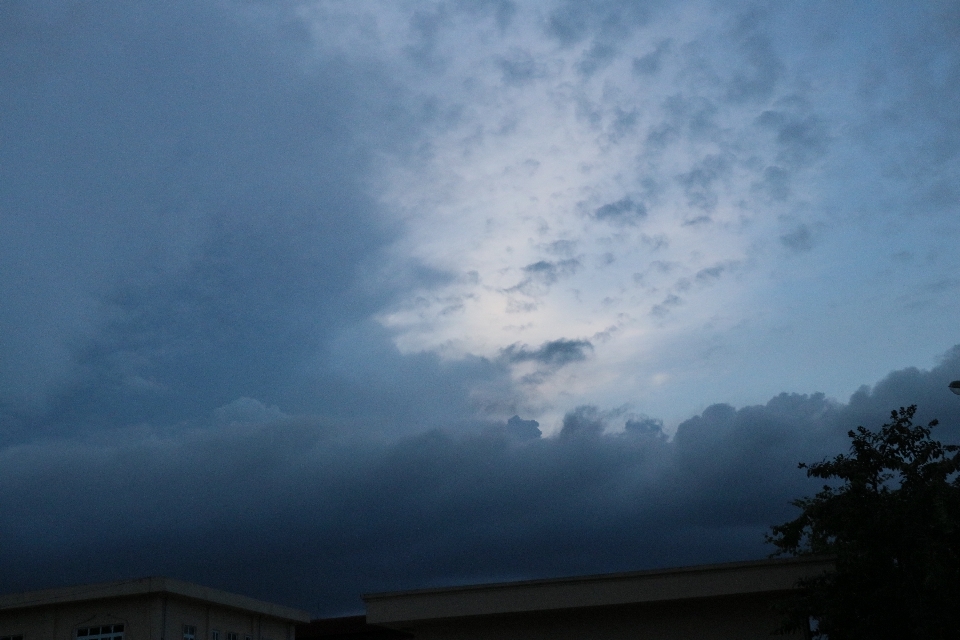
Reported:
(143, 609)
(731, 601)
(346, 628)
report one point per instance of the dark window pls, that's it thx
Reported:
(105, 632)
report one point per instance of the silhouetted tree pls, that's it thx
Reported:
(891, 520)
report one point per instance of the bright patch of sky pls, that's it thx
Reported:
(708, 201)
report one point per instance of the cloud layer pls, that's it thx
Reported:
(292, 508)
(664, 178)
(303, 299)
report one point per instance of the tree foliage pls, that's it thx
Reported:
(891, 519)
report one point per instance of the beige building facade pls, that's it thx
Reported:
(731, 601)
(143, 609)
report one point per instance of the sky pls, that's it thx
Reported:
(305, 299)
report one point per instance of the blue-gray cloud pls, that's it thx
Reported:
(800, 239)
(307, 512)
(194, 255)
(554, 353)
(623, 211)
(523, 428)
(650, 63)
(540, 275)
(187, 221)
(519, 67)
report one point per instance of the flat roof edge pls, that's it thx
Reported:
(698, 582)
(598, 577)
(149, 586)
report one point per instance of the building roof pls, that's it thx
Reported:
(345, 628)
(659, 585)
(149, 586)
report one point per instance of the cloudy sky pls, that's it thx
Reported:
(306, 299)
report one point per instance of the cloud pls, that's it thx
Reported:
(775, 182)
(801, 139)
(301, 511)
(554, 353)
(717, 122)
(193, 223)
(623, 211)
(708, 275)
(698, 183)
(757, 78)
(248, 410)
(596, 58)
(275, 277)
(645, 426)
(542, 274)
(583, 422)
(550, 272)
(650, 63)
(663, 309)
(519, 67)
(799, 240)
(523, 428)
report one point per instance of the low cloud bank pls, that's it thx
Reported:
(306, 512)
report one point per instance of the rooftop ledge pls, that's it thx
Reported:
(149, 586)
(658, 585)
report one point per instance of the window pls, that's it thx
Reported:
(189, 632)
(105, 632)
(231, 636)
(17, 637)
(215, 634)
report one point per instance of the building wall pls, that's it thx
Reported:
(151, 617)
(733, 618)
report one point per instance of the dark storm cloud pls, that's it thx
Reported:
(596, 58)
(550, 272)
(583, 422)
(708, 274)
(800, 138)
(645, 425)
(519, 68)
(912, 386)
(302, 511)
(760, 69)
(190, 382)
(523, 428)
(540, 275)
(750, 74)
(698, 183)
(604, 23)
(690, 116)
(911, 113)
(502, 11)
(650, 63)
(555, 353)
(187, 222)
(800, 239)
(425, 26)
(623, 211)
(775, 183)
